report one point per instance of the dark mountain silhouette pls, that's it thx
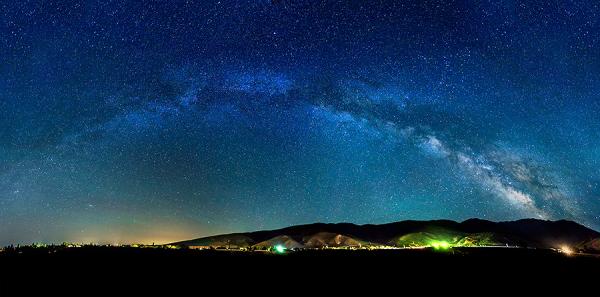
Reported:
(524, 233)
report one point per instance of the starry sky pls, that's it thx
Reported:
(156, 121)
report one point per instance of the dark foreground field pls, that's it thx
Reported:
(463, 271)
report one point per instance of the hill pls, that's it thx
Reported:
(473, 232)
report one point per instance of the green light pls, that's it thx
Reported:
(280, 249)
(440, 245)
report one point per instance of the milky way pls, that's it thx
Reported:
(153, 122)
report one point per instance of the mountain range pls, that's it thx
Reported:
(533, 233)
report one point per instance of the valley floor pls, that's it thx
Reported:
(146, 271)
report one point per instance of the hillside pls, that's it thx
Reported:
(472, 232)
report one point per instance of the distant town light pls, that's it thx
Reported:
(280, 249)
(440, 245)
(566, 250)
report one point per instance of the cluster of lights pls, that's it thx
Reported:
(280, 249)
(440, 245)
(566, 250)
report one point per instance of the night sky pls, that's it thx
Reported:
(160, 121)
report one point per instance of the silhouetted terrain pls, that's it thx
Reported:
(477, 262)
(174, 272)
(472, 232)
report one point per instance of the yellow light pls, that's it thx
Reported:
(566, 250)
